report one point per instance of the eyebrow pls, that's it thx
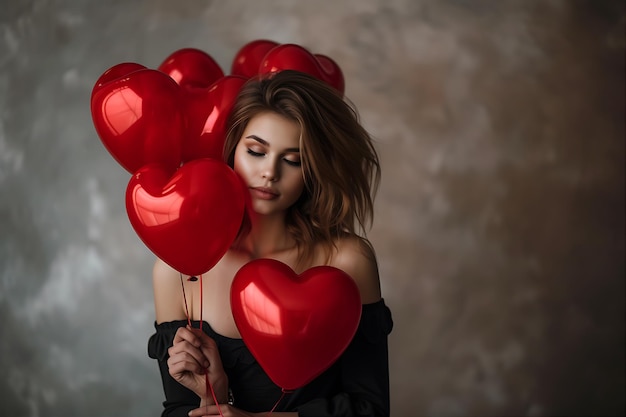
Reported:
(266, 143)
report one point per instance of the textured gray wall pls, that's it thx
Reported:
(500, 221)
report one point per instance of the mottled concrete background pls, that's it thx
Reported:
(500, 220)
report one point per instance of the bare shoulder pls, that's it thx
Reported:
(356, 257)
(166, 287)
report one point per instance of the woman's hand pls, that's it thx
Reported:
(193, 355)
(226, 411)
(230, 411)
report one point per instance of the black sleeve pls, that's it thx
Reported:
(364, 368)
(179, 401)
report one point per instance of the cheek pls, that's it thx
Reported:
(240, 164)
(297, 185)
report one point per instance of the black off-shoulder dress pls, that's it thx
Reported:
(357, 384)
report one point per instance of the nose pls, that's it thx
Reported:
(271, 170)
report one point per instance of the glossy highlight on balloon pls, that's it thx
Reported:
(191, 68)
(115, 72)
(139, 118)
(207, 112)
(296, 326)
(188, 219)
(295, 57)
(248, 59)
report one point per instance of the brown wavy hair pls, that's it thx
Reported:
(340, 164)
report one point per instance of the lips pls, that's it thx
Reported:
(264, 193)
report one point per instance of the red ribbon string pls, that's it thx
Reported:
(182, 284)
(201, 297)
(279, 400)
(209, 387)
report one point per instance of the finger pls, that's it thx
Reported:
(204, 338)
(207, 410)
(178, 370)
(210, 351)
(208, 347)
(187, 350)
(186, 362)
(186, 334)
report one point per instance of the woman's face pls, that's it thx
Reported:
(267, 157)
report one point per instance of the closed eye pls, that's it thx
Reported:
(253, 153)
(292, 163)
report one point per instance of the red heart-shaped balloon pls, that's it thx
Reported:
(248, 59)
(188, 220)
(114, 73)
(296, 326)
(332, 72)
(191, 68)
(295, 57)
(207, 113)
(139, 116)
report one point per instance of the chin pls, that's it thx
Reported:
(261, 208)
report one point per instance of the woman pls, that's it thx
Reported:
(311, 171)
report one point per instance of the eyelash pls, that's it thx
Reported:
(287, 161)
(292, 163)
(251, 152)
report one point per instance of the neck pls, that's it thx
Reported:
(268, 235)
